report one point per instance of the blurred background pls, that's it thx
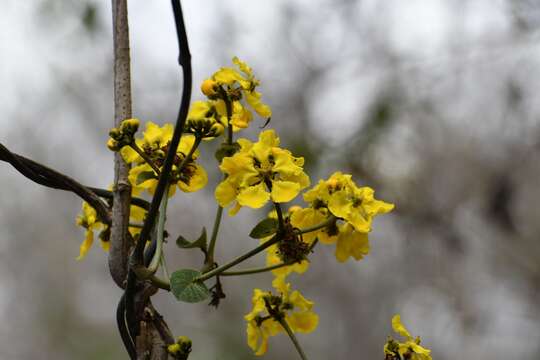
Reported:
(430, 102)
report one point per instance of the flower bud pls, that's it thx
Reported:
(217, 129)
(130, 126)
(115, 133)
(112, 145)
(208, 87)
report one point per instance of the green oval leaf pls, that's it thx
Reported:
(264, 228)
(185, 289)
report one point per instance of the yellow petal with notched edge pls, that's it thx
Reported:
(254, 99)
(137, 213)
(398, 326)
(300, 301)
(198, 110)
(284, 163)
(284, 191)
(129, 155)
(243, 66)
(351, 243)
(253, 335)
(228, 76)
(234, 209)
(340, 204)
(305, 218)
(197, 181)
(303, 322)
(241, 116)
(86, 244)
(152, 134)
(253, 196)
(225, 193)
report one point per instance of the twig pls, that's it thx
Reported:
(43, 175)
(238, 260)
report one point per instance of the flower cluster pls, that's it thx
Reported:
(148, 156)
(89, 221)
(269, 311)
(353, 208)
(410, 349)
(226, 88)
(204, 120)
(255, 173)
(123, 135)
(259, 172)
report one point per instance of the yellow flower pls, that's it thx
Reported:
(354, 209)
(292, 307)
(231, 85)
(347, 201)
(88, 220)
(155, 143)
(351, 243)
(260, 172)
(410, 349)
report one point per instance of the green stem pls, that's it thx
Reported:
(324, 224)
(213, 239)
(255, 270)
(266, 268)
(287, 328)
(209, 262)
(160, 283)
(142, 154)
(164, 266)
(238, 260)
(154, 264)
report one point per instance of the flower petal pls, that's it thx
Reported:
(86, 244)
(284, 191)
(399, 328)
(253, 196)
(303, 322)
(225, 193)
(197, 181)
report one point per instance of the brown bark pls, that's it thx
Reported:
(119, 249)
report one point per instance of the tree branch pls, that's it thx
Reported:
(119, 250)
(51, 178)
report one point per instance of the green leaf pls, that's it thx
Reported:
(145, 175)
(183, 243)
(264, 228)
(186, 289)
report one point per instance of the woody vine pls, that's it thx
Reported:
(162, 161)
